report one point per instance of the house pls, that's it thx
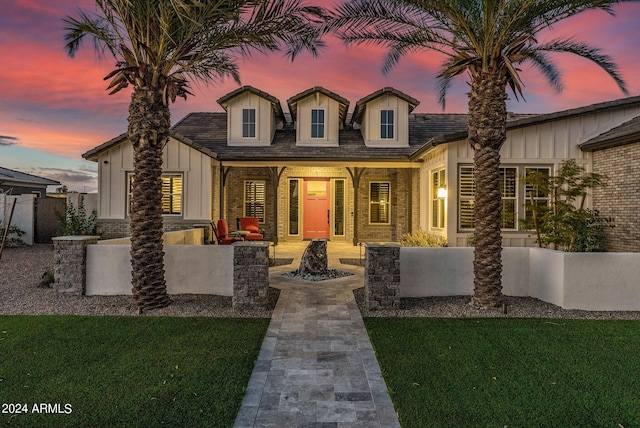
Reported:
(20, 183)
(366, 176)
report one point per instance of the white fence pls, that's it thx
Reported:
(589, 281)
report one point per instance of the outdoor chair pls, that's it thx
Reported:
(250, 229)
(223, 236)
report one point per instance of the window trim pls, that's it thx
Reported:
(388, 125)
(317, 124)
(438, 179)
(129, 189)
(264, 201)
(298, 211)
(249, 124)
(371, 203)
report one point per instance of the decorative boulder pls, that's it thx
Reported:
(314, 259)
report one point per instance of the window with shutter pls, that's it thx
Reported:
(171, 193)
(379, 202)
(254, 199)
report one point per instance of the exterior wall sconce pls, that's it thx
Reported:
(442, 192)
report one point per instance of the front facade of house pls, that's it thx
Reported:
(320, 172)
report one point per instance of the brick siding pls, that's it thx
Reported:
(620, 199)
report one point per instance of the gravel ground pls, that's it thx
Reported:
(21, 271)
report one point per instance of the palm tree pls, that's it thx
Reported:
(487, 40)
(158, 46)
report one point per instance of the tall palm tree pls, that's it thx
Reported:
(487, 40)
(158, 46)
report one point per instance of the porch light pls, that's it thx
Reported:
(442, 192)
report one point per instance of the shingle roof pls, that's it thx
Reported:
(209, 130)
(7, 174)
(627, 133)
(361, 104)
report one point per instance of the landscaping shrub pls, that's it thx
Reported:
(420, 238)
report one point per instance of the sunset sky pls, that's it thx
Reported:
(54, 108)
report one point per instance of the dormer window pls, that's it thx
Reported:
(249, 123)
(386, 124)
(317, 123)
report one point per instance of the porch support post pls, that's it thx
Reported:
(355, 174)
(276, 175)
(409, 177)
(224, 171)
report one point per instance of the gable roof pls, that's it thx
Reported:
(627, 133)
(92, 154)
(523, 120)
(277, 107)
(293, 101)
(10, 176)
(362, 103)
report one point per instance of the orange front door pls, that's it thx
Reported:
(316, 208)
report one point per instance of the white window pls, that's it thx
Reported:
(171, 193)
(466, 196)
(254, 199)
(317, 123)
(379, 202)
(533, 194)
(249, 123)
(386, 124)
(437, 199)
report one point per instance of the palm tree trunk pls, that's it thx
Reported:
(149, 123)
(487, 133)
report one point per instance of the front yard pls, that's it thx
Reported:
(510, 372)
(125, 371)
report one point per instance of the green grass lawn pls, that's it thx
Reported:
(510, 372)
(126, 371)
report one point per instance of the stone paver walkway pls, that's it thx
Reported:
(316, 368)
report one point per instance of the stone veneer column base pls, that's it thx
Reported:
(382, 276)
(70, 263)
(250, 275)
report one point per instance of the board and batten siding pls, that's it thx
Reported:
(544, 144)
(265, 120)
(371, 122)
(177, 157)
(331, 120)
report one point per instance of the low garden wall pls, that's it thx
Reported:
(589, 281)
(82, 266)
(180, 237)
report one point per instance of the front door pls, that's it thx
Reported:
(316, 208)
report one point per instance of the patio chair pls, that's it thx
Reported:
(223, 236)
(250, 225)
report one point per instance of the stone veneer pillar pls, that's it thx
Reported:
(382, 276)
(70, 263)
(250, 275)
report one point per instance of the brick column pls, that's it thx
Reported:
(70, 263)
(382, 276)
(250, 275)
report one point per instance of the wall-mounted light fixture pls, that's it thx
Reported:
(442, 192)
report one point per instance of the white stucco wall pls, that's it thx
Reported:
(588, 281)
(189, 269)
(23, 214)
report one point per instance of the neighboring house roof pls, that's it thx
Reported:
(627, 133)
(92, 154)
(224, 100)
(209, 130)
(11, 177)
(522, 120)
(362, 103)
(293, 101)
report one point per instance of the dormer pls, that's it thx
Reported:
(383, 118)
(252, 116)
(318, 115)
